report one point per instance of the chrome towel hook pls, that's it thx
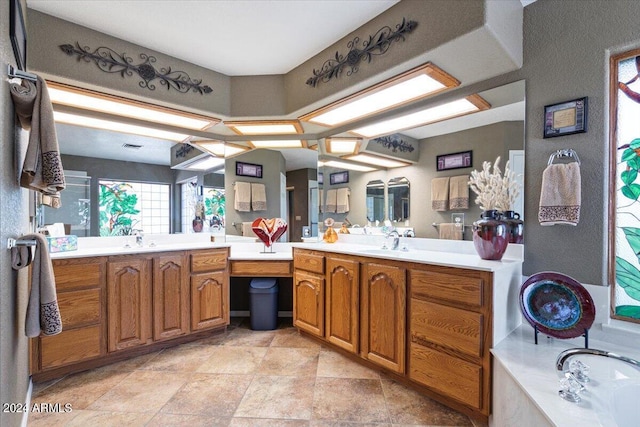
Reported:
(565, 152)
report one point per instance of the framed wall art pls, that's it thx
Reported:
(339, 178)
(18, 34)
(248, 169)
(565, 118)
(463, 159)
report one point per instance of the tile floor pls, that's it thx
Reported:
(239, 378)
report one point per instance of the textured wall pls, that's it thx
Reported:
(14, 213)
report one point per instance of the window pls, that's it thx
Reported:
(126, 207)
(624, 205)
(214, 206)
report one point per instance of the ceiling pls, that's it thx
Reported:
(231, 37)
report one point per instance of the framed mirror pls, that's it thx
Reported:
(398, 196)
(375, 200)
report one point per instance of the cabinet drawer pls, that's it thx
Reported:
(78, 308)
(70, 346)
(309, 261)
(261, 268)
(208, 260)
(450, 376)
(450, 327)
(449, 287)
(73, 274)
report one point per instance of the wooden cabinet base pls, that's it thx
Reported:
(122, 355)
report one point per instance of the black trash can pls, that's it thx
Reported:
(263, 304)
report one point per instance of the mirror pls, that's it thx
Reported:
(398, 196)
(375, 201)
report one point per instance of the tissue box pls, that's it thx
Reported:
(63, 243)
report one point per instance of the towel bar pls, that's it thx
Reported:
(11, 243)
(566, 152)
(14, 73)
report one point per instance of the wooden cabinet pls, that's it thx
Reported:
(170, 295)
(81, 292)
(129, 301)
(342, 306)
(209, 289)
(450, 332)
(308, 291)
(383, 315)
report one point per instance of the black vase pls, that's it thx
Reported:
(515, 226)
(490, 236)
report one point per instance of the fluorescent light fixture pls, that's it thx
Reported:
(220, 148)
(265, 127)
(206, 163)
(291, 143)
(418, 83)
(460, 107)
(342, 145)
(346, 165)
(99, 102)
(74, 119)
(376, 160)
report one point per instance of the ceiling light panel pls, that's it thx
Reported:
(346, 165)
(470, 104)
(415, 84)
(99, 102)
(286, 143)
(376, 161)
(265, 127)
(206, 163)
(342, 145)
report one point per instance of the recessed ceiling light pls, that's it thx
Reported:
(269, 127)
(206, 163)
(376, 160)
(346, 165)
(220, 148)
(460, 107)
(291, 143)
(342, 145)
(420, 82)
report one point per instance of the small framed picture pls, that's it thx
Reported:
(339, 178)
(18, 34)
(320, 178)
(565, 118)
(463, 159)
(248, 169)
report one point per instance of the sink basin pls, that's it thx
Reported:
(386, 252)
(624, 403)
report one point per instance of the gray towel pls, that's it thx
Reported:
(24, 97)
(43, 313)
(42, 168)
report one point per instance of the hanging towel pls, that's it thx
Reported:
(342, 200)
(247, 229)
(450, 231)
(331, 202)
(42, 168)
(459, 192)
(24, 97)
(258, 197)
(43, 313)
(560, 197)
(439, 193)
(321, 200)
(242, 197)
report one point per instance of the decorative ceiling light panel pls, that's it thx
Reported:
(342, 145)
(284, 127)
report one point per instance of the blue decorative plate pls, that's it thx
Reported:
(557, 304)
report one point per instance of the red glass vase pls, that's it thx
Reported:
(490, 236)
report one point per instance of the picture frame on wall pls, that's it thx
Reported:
(248, 169)
(565, 118)
(18, 34)
(462, 159)
(339, 178)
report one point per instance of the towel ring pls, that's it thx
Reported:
(567, 152)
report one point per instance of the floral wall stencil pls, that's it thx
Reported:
(625, 182)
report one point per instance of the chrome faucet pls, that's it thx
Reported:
(396, 239)
(138, 234)
(565, 355)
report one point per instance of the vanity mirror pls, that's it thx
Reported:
(375, 200)
(398, 196)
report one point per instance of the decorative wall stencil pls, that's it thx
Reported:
(184, 150)
(109, 61)
(376, 44)
(395, 144)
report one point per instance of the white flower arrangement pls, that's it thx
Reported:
(495, 190)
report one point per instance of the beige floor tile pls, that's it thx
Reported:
(291, 338)
(109, 419)
(187, 357)
(278, 397)
(241, 337)
(173, 420)
(334, 365)
(324, 423)
(131, 364)
(38, 387)
(263, 422)
(290, 361)
(407, 406)
(213, 395)
(214, 339)
(81, 390)
(233, 360)
(141, 391)
(51, 419)
(349, 399)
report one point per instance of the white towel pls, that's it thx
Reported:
(321, 200)
(242, 197)
(331, 202)
(342, 200)
(459, 192)
(560, 196)
(439, 194)
(258, 197)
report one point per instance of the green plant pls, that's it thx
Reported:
(215, 203)
(116, 209)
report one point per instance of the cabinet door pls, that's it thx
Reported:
(308, 302)
(170, 296)
(342, 307)
(129, 302)
(209, 300)
(383, 315)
